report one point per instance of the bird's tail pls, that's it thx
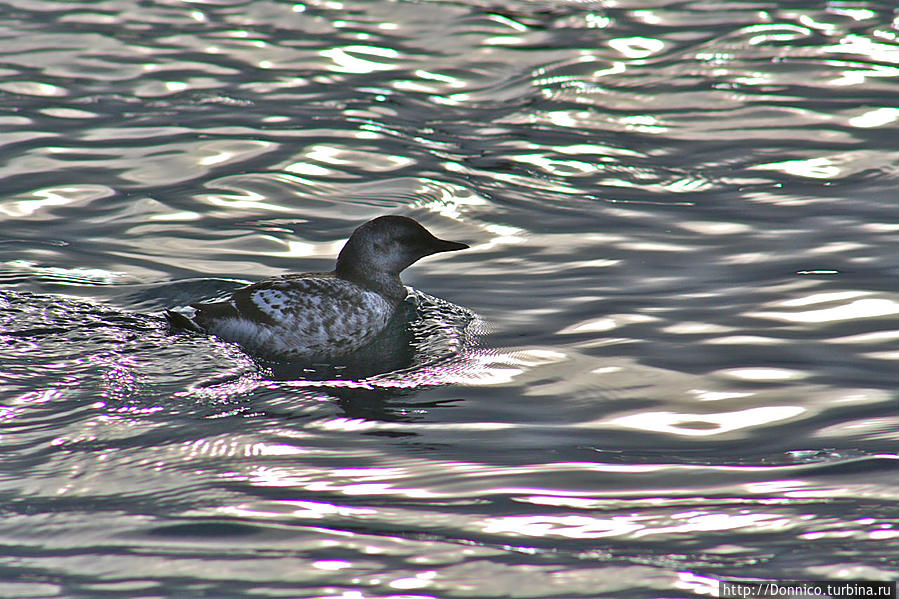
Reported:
(182, 322)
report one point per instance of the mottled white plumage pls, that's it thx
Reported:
(323, 316)
(303, 317)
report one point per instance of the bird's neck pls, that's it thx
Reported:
(387, 284)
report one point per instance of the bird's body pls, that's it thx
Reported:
(312, 314)
(323, 316)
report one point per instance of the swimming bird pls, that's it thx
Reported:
(323, 316)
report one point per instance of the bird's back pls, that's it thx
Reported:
(298, 316)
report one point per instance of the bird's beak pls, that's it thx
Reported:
(441, 245)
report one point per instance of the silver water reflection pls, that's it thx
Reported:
(683, 235)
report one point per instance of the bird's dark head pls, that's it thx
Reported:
(389, 244)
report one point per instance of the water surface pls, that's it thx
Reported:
(668, 358)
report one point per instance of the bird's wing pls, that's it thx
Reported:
(280, 299)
